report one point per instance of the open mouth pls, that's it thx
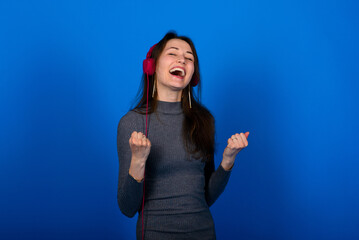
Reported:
(179, 72)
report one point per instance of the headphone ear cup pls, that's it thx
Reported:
(194, 81)
(149, 66)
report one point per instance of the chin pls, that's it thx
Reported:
(181, 84)
(177, 88)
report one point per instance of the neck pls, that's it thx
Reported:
(169, 96)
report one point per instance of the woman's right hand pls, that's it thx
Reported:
(140, 148)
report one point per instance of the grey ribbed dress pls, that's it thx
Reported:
(178, 188)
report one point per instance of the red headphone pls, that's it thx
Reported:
(149, 66)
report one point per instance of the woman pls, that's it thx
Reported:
(173, 166)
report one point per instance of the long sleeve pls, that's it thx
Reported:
(175, 201)
(130, 192)
(216, 181)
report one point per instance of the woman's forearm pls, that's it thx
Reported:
(137, 169)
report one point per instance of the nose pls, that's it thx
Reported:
(181, 60)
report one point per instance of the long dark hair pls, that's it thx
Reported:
(198, 125)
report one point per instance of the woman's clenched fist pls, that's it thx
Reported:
(140, 146)
(235, 144)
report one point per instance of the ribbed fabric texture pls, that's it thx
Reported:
(179, 189)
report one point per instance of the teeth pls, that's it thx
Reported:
(177, 69)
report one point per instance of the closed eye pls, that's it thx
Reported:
(190, 59)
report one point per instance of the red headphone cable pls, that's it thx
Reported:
(146, 133)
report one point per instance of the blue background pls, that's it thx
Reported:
(287, 71)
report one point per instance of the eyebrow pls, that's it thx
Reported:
(178, 49)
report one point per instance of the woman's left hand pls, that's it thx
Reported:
(235, 144)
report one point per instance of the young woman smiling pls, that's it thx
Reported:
(168, 176)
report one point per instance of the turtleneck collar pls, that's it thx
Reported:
(169, 107)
